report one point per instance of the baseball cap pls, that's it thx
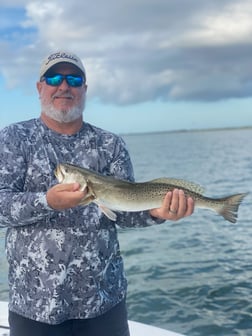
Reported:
(61, 57)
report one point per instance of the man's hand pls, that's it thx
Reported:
(175, 206)
(64, 196)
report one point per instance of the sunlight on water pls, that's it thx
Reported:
(194, 276)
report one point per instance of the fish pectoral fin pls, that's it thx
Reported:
(107, 212)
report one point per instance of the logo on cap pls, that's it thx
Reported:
(61, 55)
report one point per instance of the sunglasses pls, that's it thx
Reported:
(57, 79)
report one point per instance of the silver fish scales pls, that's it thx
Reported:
(112, 194)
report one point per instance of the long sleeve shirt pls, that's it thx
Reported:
(62, 264)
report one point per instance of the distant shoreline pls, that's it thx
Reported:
(191, 130)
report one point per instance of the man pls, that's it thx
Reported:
(65, 269)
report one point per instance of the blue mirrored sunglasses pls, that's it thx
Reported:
(57, 79)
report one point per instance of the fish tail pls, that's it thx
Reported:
(230, 207)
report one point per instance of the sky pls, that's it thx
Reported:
(152, 65)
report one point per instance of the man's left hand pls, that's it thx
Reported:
(175, 206)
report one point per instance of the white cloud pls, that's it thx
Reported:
(141, 50)
(230, 26)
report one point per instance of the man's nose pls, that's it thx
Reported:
(64, 85)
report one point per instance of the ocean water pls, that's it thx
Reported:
(193, 276)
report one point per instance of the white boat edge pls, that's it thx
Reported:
(136, 328)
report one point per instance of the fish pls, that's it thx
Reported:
(115, 195)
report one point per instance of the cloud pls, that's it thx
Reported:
(142, 50)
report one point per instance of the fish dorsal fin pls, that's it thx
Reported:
(180, 183)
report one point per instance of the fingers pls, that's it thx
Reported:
(175, 206)
(64, 196)
(190, 207)
(180, 206)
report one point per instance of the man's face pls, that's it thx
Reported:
(62, 103)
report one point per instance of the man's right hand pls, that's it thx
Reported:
(65, 196)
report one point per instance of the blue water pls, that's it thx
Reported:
(193, 276)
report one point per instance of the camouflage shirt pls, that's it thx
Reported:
(62, 264)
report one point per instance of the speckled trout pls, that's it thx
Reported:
(112, 194)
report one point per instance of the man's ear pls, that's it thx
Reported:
(39, 87)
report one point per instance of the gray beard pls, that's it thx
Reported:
(63, 116)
